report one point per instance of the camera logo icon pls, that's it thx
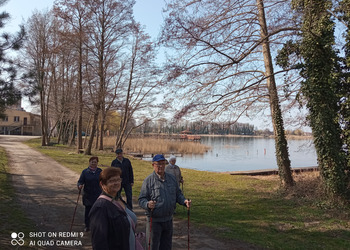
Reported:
(17, 239)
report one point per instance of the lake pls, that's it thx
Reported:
(247, 153)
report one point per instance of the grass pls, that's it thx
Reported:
(249, 209)
(12, 217)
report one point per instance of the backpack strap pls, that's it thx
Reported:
(116, 203)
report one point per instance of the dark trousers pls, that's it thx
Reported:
(87, 211)
(161, 236)
(128, 193)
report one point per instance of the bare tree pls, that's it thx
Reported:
(73, 13)
(141, 90)
(63, 106)
(51, 60)
(108, 29)
(223, 65)
(282, 155)
(39, 47)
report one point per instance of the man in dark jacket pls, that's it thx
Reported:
(127, 174)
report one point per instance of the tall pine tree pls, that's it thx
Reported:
(9, 94)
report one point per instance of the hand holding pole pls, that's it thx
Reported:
(151, 205)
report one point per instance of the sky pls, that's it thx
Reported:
(147, 12)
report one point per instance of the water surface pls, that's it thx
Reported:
(247, 153)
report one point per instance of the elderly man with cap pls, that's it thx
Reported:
(159, 194)
(127, 175)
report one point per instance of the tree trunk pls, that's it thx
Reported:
(321, 89)
(126, 117)
(44, 141)
(93, 132)
(281, 145)
(86, 130)
(102, 127)
(80, 101)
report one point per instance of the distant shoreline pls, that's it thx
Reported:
(229, 135)
(294, 137)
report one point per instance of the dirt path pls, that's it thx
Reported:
(47, 192)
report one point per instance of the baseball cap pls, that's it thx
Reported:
(119, 150)
(158, 158)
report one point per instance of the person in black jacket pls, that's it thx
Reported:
(127, 175)
(112, 223)
(89, 179)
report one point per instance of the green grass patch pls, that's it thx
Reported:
(244, 208)
(12, 217)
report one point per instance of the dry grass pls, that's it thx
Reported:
(153, 145)
(308, 186)
(299, 137)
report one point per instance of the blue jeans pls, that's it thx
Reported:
(162, 235)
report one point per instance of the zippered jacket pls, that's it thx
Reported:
(127, 171)
(92, 189)
(165, 192)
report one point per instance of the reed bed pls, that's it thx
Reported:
(153, 145)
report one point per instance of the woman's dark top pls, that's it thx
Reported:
(109, 226)
(92, 189)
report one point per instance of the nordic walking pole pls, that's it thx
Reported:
(182, 187)
(188, 227)
(75, 210)
(150, 229)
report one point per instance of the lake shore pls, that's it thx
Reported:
(273, 171)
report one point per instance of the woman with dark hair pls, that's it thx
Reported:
(89, 179)
(112, 222)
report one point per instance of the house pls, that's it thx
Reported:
(187, 135)
(20, 122)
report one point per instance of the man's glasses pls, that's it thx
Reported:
(159, 164)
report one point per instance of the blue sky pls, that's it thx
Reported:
(147, 12)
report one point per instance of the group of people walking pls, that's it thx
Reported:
(112, 221)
